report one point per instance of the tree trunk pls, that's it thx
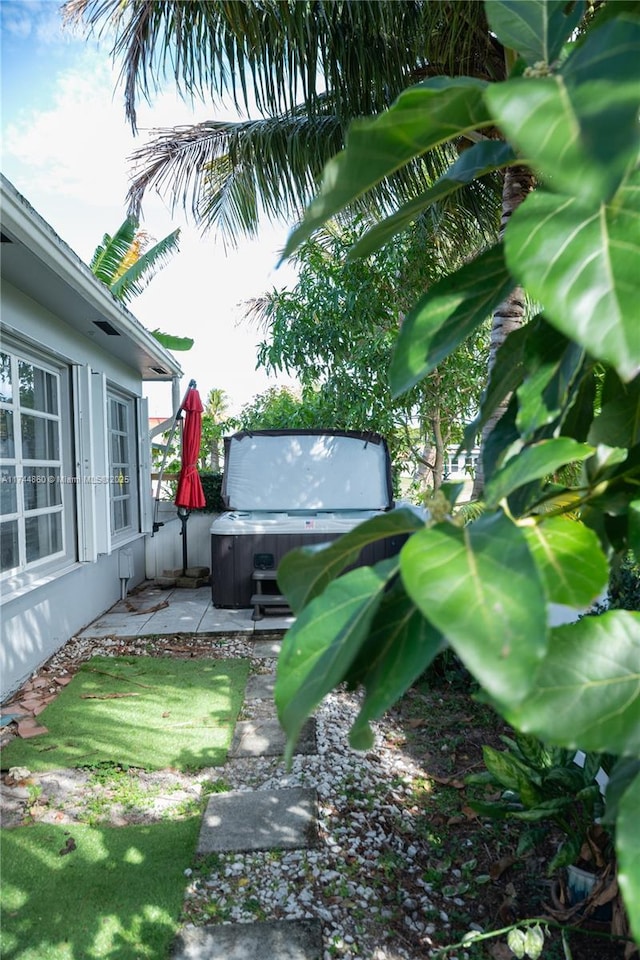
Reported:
(438, 466)
(509, 316)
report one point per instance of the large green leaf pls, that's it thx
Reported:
(446, 315)
(108, 256)
(480, 159)
(400, 646)
(628, 850)
(172, 342)
(552, 363)
(513, 774)
(579, 130)
(582, 264)
(304, 573)
(573, 568)
(536, 29)
(587, 692)
(533, 463)
(319, 648)
(618, 422)
(621, 775)
(481, 588)
(634, 527)
(129, 284)
(422, 117)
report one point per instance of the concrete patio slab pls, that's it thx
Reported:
(115, 625)
(239, 821)
(275, 940)
(260, 686)
(216, 620)
(265, 737)
(155, 612)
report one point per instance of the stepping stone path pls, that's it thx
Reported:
(266, 738)
(241, 821)
(278, 940)
(246, 821)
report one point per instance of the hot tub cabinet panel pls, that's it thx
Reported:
(287, 489)
(234, 558)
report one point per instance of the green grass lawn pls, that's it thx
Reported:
(147, 712)
(78, 893)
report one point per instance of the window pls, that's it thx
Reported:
(34, 523)
(122, 464)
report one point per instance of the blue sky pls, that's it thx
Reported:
(65, 144)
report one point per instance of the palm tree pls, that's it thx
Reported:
(309, 67)
(126, 264)
(509, 315)
(213, 421)
(313, 67)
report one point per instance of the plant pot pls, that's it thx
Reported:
(580, 885)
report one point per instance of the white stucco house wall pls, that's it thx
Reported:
(75, 490)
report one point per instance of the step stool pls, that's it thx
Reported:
(259, 600)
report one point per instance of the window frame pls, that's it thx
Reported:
(49, 473)
(122, 471)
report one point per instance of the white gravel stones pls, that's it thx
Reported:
(348, 881)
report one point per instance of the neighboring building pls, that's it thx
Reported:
(75, 490)
(461, 468)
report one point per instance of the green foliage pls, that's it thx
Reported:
(343, 367)
(562, 465)
(126, 267)
(122, 262)
(542, 784)
(212, 488)
(624, 586)
(303, 70)
(279, 408)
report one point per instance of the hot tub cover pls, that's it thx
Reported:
(307, 471)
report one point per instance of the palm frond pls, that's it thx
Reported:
(227, 172)
(283, 51)
(108, 255)
(232, 174)
(171, 342)
(133, 281)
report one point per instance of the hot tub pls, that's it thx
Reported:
(286, 489)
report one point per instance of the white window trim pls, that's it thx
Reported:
(24, 574)
(133, 530)
(144, 466)
(84, 419)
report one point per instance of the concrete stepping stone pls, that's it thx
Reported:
(275, 940)
(260, 686)
(264, 737)
(265, 649)
(242, 821)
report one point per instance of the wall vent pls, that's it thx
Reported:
(106, 327)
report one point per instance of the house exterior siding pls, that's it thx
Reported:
(74, 448)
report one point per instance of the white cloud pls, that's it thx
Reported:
(70, 161)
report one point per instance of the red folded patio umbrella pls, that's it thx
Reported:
(189, 494)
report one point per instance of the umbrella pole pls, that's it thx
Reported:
(178, 414)
(183, 513)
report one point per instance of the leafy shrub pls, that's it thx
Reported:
(624, 586)
(212, 487)
(543, 784)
